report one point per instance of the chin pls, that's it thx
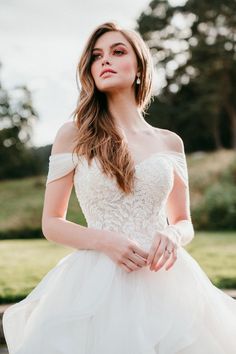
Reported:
(114, 87)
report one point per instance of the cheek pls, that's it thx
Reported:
(93, 72)
(127, 67)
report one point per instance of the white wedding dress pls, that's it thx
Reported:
(87, 304)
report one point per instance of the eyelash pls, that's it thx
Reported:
(115, 51)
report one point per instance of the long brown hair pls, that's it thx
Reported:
(97, 134)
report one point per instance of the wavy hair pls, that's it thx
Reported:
(97, 134)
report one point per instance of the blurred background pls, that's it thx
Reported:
(193, 45)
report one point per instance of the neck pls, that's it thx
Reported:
(126, 113)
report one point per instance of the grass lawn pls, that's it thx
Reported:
(23, 211)
(216, 254)
(23, 263)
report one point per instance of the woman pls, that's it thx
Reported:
(130, 286)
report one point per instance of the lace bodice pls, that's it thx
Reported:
(105, 206)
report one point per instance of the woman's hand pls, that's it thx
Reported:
(124, 251)
(159, 255)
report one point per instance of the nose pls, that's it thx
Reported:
(105, 60)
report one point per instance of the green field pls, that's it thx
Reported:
(23, 205)
(24, 262)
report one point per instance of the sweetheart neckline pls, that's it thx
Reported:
(137, 164)
(153, 155)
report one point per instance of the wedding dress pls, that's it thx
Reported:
(87, 304)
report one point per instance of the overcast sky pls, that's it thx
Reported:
(41, 42)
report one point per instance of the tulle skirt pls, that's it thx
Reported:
(87, 304)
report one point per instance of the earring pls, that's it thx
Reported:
(138, 81)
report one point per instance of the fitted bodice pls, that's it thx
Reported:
(105, 206)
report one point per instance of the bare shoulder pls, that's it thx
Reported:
(172, 140)
(65, 139)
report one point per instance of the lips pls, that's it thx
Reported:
(107, 71)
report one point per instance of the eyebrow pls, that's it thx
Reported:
(112, 46)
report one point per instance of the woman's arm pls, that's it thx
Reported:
(55, 227)
(180, 226)
(180, 230)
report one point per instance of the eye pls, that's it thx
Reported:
(94, 56)
(119, 51)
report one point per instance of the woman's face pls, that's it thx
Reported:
(121, 58)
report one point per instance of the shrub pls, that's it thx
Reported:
(217, 211)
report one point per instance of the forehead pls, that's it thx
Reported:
(109, 38)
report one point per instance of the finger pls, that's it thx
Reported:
(127, 269)
(172, 259)
(134, 257)
(165, 257)
(159, 252)
(152, 251)
(172, 247)
(138, 250)
(131, 265)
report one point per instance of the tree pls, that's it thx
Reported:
(194, 45)
(17, 117)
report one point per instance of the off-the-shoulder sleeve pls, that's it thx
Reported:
(180, 166)
(60, 165)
